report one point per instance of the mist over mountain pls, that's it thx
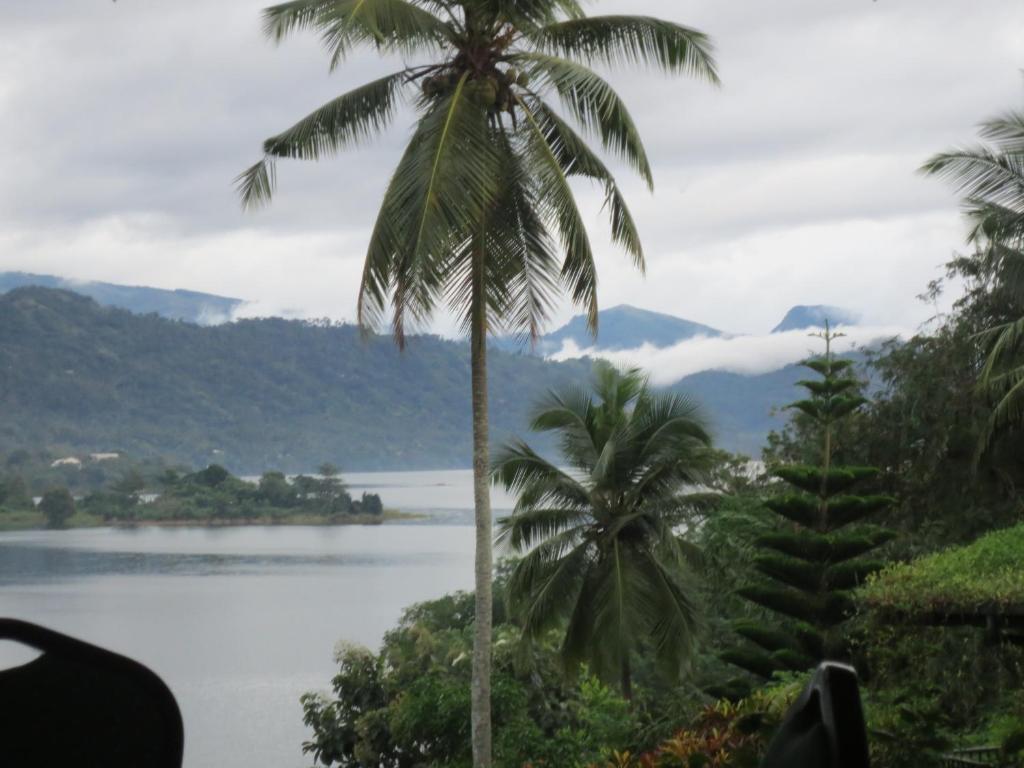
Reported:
(624, 327)
(190, 306)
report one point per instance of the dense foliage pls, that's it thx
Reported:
(987, 575)
(409, 705)
(209, 496)
(25, 473)
(57, 506)
(214, 495)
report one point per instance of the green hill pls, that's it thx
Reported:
(76, 376)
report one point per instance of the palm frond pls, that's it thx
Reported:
(983, 175)
(669, 611)
(559, 205)
(448, 179)
(1007, 347)
(1006, 131)
(390, 25)
(543, 589)
(522, 268)
(526, 527)
(530, 14)
(615, 614)
(618, 40)
(344, 121)
(255, 186)
(993, 224)
(570, 413)
(593, 103)
(1010, 406)
(538, 482)
(350, 118)
(389, 238)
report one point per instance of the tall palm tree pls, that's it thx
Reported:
(601, 553)
(479, 214)
(992, 177)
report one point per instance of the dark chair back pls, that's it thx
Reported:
(825, 727)
(80, 705)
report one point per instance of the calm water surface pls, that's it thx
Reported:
(240, 621)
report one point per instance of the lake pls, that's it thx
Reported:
(239, 622)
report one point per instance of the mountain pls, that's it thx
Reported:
(814, 316)
(190, 306)
(76, 377)
(743, 408)
(621, 327)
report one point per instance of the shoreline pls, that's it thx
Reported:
(20, 521)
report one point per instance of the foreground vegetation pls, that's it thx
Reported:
(935, 634)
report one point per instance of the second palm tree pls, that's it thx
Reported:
(602, 558)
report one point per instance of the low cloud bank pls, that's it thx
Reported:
(749, 355)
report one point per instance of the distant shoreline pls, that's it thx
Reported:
(33, 521)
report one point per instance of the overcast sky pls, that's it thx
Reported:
(124, 125)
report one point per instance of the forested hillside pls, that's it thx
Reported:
(79, 377)
(250, 395)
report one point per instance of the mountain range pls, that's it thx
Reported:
(78, 376)
(190, 306)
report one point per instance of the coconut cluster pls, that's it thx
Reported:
(491, 90)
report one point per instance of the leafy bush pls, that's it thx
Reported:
(984, 575)
(722, 735)
(409, 704)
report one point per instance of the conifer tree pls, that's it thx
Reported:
(817, 555)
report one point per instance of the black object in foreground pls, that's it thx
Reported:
(825, 727)
(80, 705)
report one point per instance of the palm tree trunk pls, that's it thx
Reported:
(481, 691)
(627, 680)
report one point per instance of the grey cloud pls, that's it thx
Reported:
(132, 119)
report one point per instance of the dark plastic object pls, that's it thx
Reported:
(79, 705)
(825, 727)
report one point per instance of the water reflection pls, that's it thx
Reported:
(238, 621)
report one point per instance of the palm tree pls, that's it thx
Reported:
(992, 177)
(602, 559)
(479, 214)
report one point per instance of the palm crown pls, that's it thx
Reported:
(488, 167)
(992, 176)
(602, 557)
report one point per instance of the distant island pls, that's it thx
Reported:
(208, 497)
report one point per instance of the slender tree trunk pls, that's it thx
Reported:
(481, 692)
(627, 680)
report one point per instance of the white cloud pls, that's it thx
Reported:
(749, 355)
